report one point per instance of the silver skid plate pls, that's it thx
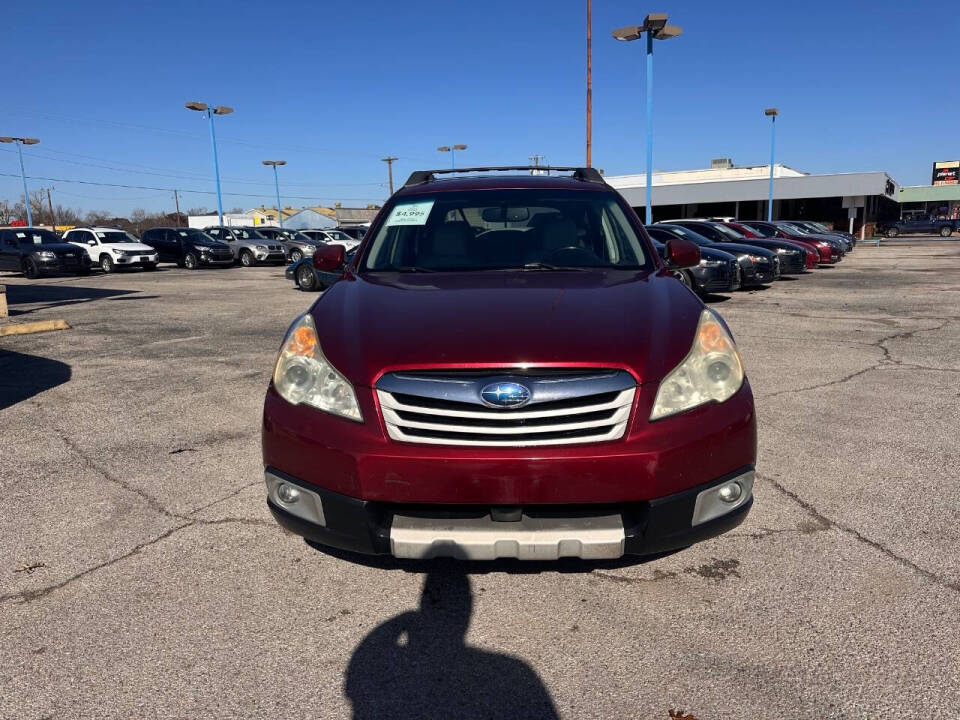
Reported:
(531, 538)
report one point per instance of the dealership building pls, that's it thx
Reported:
(850, 201)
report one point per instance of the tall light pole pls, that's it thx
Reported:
(218, 110)
(589, 83)
(276, 185)
(772, 114)
(452, 149)
(656, 28)
(20, 142)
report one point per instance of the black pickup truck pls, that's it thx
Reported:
(920, 226)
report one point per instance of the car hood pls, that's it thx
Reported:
(716, 253)
(58, 247)
(741, 248)
(135, 247)
(641, 321)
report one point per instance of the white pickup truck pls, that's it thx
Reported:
(111, 248)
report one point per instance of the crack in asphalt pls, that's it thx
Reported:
(886, 361)
(857, 535)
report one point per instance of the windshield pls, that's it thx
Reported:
(300, 237)
(339, 236)
(36, 237)
(197, 236)
(764, 230)
(506, 230)
(245, 234)
(729, 232)
(790, 227)
(688, 234)
(114, 236)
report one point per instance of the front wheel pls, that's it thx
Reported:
(246, 258)
(306, 278)
(106, 264)
(945, 231)
(30, 269)
(684, 277)
(190, 262)
(296, 256)
(892, 232)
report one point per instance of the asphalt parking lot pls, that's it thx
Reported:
(142, 576)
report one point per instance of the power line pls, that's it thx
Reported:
(195, 192)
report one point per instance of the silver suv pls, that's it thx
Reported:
(249, 246)
(297, 245)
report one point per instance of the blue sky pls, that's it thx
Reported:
(332, 87)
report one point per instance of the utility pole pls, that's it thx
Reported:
(535, 162)
(176, 201)
(589, 85)
(53, 219)
(389, 161)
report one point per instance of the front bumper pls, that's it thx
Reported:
(62, 264)
(271, 256)
(130, 260)
(590, 532)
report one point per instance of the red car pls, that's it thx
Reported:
(812, 255)
(507, 368)
(828, 253)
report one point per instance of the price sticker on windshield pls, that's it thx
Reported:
(415, 213)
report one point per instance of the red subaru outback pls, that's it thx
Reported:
(508, 369)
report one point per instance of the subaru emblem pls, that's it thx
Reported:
(505, 395)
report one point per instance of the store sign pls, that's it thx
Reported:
(946, 173)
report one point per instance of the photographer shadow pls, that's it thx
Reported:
(418, 665)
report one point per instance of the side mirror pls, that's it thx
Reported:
(682, 254)
(92, 243)
(329, 258)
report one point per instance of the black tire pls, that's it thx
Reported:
(296, 256)
(247, 259)
(946, 231)
(150, 266)
(190, 261)
(893, 232)
(307, 279)
(106, 263)
(30, 269)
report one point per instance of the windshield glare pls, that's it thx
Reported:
(198, 236)
(687, 234)
(729, 232)
(36, 237)
(506, 230)
(116, 236)
(339, 236)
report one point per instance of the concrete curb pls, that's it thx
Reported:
(35, 326)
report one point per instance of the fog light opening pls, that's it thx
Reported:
(730, 492)
(287, 493)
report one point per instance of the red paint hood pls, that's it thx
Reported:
(641, 321)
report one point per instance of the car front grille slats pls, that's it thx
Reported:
(447, 410)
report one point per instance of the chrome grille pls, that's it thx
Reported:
(566, 407)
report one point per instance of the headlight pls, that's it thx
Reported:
(261, 247)
(711, 263)
(309, 249)
(304, 375)
(46, 255)
(756, 259)
(711, 372)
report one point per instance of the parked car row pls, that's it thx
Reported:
(735, 254)
(37, 251)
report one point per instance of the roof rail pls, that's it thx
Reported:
(586, 174)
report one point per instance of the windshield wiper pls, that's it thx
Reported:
(548, 266)
(410, 269)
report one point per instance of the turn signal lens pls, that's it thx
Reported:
(304, 375)
(711, 372)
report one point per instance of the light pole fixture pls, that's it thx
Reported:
(276, 185)
(218, 110)
(20, 142)
(656, 28)
(772, 114)
(452, 150)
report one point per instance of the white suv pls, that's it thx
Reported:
(111, 248)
